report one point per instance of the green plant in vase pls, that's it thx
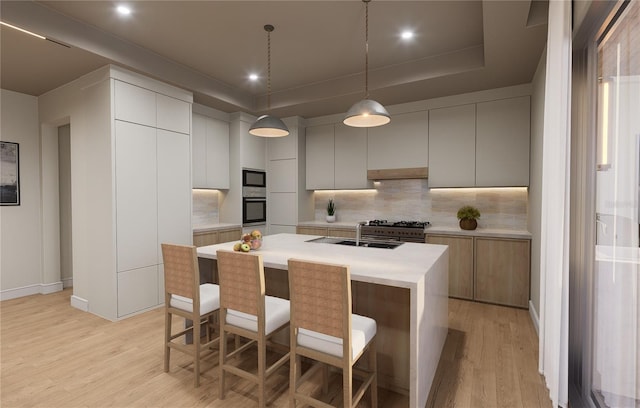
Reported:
(331, 211)
(468, 216)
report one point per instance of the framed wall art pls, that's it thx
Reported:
(9, 173)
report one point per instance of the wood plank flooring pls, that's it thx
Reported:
(53, 355)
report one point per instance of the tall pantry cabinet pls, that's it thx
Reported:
(130, 184)
(152, 133)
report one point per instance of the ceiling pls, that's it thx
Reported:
(317, 48)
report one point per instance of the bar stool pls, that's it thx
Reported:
(324, 329)
(245, 311)
(186, 297)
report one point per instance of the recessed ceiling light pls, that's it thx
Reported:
(407, 35)
(123, 10)
(253, 77)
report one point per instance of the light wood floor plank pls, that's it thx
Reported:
(53, 355)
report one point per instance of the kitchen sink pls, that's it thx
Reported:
(352, 242)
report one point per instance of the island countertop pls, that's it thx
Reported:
(404, 289)
(404, 266)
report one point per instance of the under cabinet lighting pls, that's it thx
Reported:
(23, 30)
(479, 189)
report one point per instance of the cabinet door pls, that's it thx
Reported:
(138, 290)
(350, 157)
(341, 232)
(502, 271)
(502, 143)
(199, 151)
(460, 264)
(283, 175)
(134, 104)
(217, 155)
(136, 196)
(403, 143)
(320, 157)
(452, 133)
(174, 189)
(173, 114)
(283, 147)
(206, 238)
(230, 235)
(282, 208)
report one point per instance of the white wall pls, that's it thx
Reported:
(20, 238)
(535, 178)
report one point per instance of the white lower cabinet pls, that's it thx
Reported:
(137, 290)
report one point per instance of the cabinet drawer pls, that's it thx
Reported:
(205, 238)
(341, 232)
(460, 264)
(312, 231)
(230, 235)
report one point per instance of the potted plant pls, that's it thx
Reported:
(331, 211)
(467, 216)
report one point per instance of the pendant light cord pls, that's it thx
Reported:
(366, 49)
(269, 29)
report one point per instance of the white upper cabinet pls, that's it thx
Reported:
(173, 114)
(210, 152)
(320, 157)
(135, 104)
(350, 157)
(282, 176)
(502, 143)
(403, 143)
(282, 148)
(452, 134)
(480, 145)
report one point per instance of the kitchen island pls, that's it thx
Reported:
(404, 289)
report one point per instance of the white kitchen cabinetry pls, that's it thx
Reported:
(282, 175)
(350, 157)
(452, 134)
(403, 143)
(502, 143)
(336, 157)
(210, 152)
(480, 145)
(153, 192)
(134, 104)
(136, 196)
(320, 157)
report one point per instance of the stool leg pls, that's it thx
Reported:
(223, 355)
(197, 341)
(167, 339)
(373, 364)
(347, 384)
(262, 363)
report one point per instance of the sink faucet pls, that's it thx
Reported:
(359, 232)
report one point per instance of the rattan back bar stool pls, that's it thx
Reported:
(247, 312)
(324, 329)
(186, 297)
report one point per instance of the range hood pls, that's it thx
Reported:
(398, 174)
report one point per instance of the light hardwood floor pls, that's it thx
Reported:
(53, 355)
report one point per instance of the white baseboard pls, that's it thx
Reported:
(80, 303)
(67, 283)
(46, 288)
(534, 318)
(40, 288)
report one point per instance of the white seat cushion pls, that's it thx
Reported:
(209, 299)
(362, 331)
(276, 313)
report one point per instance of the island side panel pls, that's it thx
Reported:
(390, 307)
(429, 327)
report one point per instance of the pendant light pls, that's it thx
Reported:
(267, 125)
(367, 112)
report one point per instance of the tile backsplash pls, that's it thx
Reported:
(395, 200)
(205, 207)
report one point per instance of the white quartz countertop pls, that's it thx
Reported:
(479, 232)
(404, 266)
(337, 224)
(214, 227)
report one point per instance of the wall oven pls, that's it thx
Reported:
(254, 206)
(254, 178)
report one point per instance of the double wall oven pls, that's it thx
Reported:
(254, 197)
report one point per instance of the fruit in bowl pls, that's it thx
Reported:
(249, 242)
